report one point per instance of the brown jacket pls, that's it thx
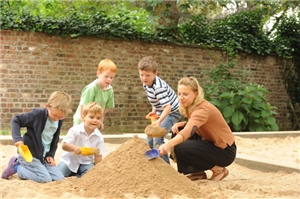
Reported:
(208, 122)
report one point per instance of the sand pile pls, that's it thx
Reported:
(125, 173)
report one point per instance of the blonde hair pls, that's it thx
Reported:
(147, 64)
(194, 85)
(107, 64)
(61, 101)
(92, 107)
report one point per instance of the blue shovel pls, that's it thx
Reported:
(151, 154)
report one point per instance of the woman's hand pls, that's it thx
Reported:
(163, 149)
(176, 126)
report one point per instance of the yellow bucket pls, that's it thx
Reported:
(25, 152)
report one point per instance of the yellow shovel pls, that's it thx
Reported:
(89, 151)
(25, 152)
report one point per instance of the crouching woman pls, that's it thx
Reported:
(205, 141)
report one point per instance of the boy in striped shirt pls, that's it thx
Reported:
(162, 98)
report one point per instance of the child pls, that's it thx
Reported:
(99, 91)
(84, 134)
(43, 129)
(162, 98)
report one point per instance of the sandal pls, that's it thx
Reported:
(220, 175)
(197, 176)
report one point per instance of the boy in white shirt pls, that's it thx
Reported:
(85, 134)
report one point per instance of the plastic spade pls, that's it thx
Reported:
(89, 151)
(151, 154)
(25, 152)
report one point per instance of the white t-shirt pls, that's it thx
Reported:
(77, 136)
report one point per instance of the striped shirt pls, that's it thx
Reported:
(160, 95)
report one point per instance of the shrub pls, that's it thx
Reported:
(244, 105)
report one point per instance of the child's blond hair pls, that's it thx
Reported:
(147, 64)
(107, 64)
(61, 101)
(92, 107)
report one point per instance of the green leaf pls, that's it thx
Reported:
(237, 128)
(245, 120)
(274, 127)
(265, 113)
(228, 111)
(225, 95)
(215, 102)
(247, 100)
(237, 117)
(271, 120)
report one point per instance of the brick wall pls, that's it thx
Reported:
(33, 65)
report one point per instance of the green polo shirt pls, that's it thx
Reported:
(93, 93)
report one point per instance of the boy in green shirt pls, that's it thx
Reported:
(100, 91)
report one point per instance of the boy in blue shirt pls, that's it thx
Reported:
(42, 136)
(162, 98)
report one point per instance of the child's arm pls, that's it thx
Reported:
(71, 148)
(152, 112)
(164, 114)
(97, 159)
(101, 126)
(80, 111)
(24, 120)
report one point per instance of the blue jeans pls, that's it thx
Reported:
(167, 123)
(83, 168)
(37, 171)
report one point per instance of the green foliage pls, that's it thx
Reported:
(201, 7)
(240, 32)
(243, 105)
(287, 36)
(244, 32)
(76, 18)
(5, 132)
(287, 40)
(197, 31)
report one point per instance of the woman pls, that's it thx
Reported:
(205, 141)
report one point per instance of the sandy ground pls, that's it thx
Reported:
(125, 173)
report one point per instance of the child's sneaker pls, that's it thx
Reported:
(9, 170)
